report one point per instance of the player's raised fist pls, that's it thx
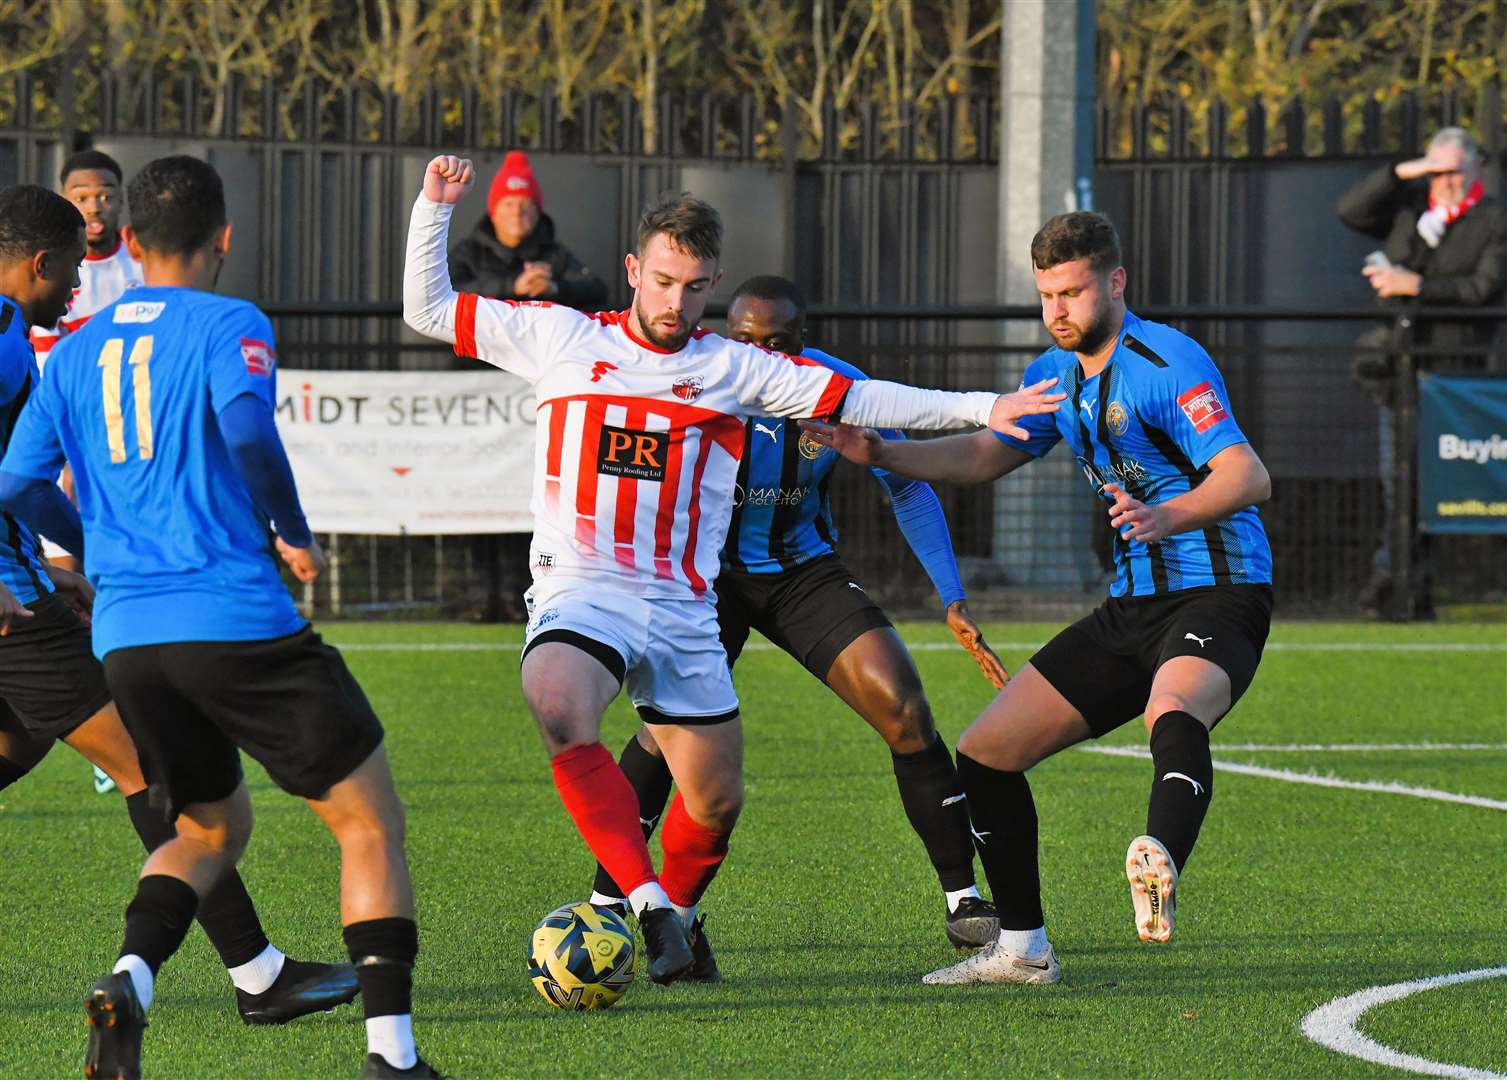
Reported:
(448, 178)
(1026, 401)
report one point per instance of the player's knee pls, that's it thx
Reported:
(912, 729)
(560, 723)
(996, 754)
(717, 809)
(1162, 704)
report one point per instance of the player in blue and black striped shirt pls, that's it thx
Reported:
(1181, 634)
(782, 576)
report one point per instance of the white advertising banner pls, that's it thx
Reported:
(391, 452)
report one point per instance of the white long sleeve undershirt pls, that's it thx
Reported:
(429, 307)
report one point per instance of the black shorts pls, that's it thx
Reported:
(813, 611)
(49, 677)
(1104, 663)
(289, 702)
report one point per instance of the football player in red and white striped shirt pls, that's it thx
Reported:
(91, 181)
(640, 430)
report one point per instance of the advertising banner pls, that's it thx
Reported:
(390, 452)
(1462, 454)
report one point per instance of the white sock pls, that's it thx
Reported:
(141, 977)
(257, 975)
(601, 899)
(955, 898)
(1027, 943)
(687, 914)
(648, 895)
(392, 1037)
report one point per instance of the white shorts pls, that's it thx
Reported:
(667, 652)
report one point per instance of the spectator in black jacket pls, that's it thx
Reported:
(512, 254)
(1444, 243)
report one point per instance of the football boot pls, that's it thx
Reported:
(997, 964)
(973, 923)
(1153, 885)
(116, 1020)
(665, 942)
(301, 988)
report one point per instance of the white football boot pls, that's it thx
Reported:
(1153, 888)
(996, 964)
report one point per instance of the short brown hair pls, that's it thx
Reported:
(1081, 234)
(690, 224)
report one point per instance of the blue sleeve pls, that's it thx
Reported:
(919, 514)
(242, 356)
(36, 450)
(45, 510)
(17, 362)
(250, 434)
(1042, 427)
(1193, 406)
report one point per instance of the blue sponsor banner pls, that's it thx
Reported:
(1462, 455)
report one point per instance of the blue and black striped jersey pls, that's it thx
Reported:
(1150, 421)
(782, 508)
(20, 553)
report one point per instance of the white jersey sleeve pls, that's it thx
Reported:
(876, 403)
(517, 336)
(774, 384)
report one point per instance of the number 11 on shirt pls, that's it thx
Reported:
(141, 391)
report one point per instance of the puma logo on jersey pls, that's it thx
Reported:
(772, 432)
(1088, 406)
(1198, 789)
(953, 799)
(1202, 641)
(600, 368)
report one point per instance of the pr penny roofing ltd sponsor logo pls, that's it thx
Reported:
(1202, 407)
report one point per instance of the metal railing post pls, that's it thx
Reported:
(1404, 471)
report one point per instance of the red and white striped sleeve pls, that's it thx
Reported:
(774, 384)
(517, 336)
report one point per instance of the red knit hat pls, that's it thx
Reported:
(516, 177)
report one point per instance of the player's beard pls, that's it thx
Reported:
(660, 340)
(1090, 338)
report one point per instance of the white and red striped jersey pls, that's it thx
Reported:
(102, 280)
(637, 448)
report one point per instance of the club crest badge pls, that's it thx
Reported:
(1116, 418)
(688, 388)
(810, 449)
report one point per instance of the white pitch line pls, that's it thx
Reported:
(1333, 1025)
(947, 646)
(1327, 748)
(1385, 787)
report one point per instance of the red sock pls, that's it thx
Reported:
(599, 799)
(693, 855)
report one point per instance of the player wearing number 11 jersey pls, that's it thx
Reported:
(163, 406)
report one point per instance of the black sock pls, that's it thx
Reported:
(10, 772)
(157, 919)
(1182, 786)
(651, 781)
(1004, 830)
(383, 951)
(227, 914)
(934, 802)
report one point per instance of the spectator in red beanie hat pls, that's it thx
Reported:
(512, 253)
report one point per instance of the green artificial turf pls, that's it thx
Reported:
(827, 912)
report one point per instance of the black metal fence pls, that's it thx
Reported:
(1315, 429)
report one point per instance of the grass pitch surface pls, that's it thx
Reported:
(827, 912)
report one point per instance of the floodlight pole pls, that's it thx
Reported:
(1042, 530)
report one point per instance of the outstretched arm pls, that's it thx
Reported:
(428, 298)
(876, 403)
(974, 458)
